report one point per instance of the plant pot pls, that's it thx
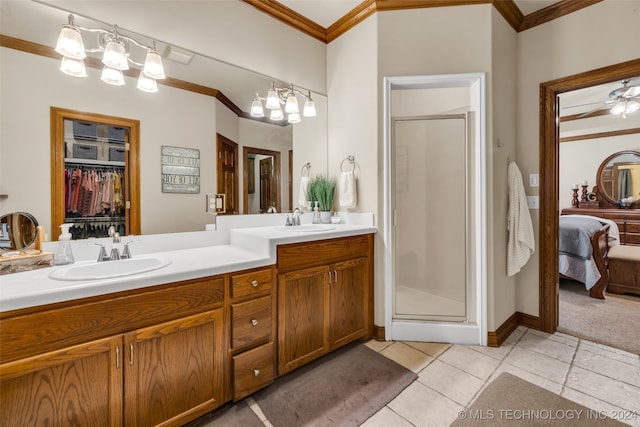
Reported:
(325, 217)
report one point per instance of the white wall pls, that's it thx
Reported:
(276, 138)
(580, 160)
(578, 42)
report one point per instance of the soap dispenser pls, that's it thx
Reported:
(315, 219)
(64, 254)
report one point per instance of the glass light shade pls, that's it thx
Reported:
(153, 67)
(273, 102)
(276, 115)
(70, 43)
(293, 118)
(146, 83)
(632, 106)
(112, 76)
(292, 104)
(309, 108)
(115, 56)
(256, 108)
(618, 108)
(633, 91)
(73, 67)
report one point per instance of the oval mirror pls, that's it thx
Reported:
(619, 177)
(17, 231)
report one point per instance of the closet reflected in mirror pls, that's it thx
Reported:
(94, 165)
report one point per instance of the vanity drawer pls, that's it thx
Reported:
(251, 283)
(252, 370)
(632, 239)
(251, 321)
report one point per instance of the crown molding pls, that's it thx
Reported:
(507, 8)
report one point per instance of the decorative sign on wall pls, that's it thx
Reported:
(180, 170)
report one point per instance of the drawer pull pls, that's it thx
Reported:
(254, 283)
(256, 372)
(254, 322)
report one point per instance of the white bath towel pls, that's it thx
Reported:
(302, 194)
(521, 242)
(347, 196)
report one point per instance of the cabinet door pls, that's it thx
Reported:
(174, 371)
(349, 301)
(79, 385)
(303, 305)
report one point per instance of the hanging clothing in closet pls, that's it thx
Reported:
(91, 192)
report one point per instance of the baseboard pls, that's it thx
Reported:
(494, 339)
(533, 322)
(378, 333)
(497, 337)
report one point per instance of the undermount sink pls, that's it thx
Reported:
(308, 227)
(109, 269)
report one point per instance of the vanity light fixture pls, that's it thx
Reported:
(625, 106)
(287, 96)
(116, 56)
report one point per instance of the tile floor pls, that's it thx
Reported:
(451, 376)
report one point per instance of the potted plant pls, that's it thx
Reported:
(322, 189)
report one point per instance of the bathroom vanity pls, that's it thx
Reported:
(167, 346)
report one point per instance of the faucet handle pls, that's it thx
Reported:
(126, 252)
(102, 256)
(287, 222)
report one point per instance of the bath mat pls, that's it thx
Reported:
(509, 400)
(343, 388)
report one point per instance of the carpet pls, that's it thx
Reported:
(612, 321)
(343, 388)
(509, 400)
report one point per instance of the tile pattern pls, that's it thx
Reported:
(450, 377)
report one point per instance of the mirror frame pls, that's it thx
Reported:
(132, 166)
(246, 151)
(601, 193)
(33, 231)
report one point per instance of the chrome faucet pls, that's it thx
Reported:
(295, 219)
(115, 254)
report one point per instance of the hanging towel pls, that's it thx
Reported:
(302, 194)
(347, 196)
(521, 239)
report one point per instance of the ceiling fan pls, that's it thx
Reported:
(621, 101)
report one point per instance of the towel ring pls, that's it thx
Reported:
(305, 168)
(351, 160)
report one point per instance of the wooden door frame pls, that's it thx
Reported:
(132, 166)
(549, 177)
(221, 139)
(245, 175)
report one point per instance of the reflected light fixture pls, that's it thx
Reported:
(287, 97)
(625, 106)
(116, 56)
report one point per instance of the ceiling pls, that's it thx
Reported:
(326, 12)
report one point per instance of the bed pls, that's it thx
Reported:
(584, 243)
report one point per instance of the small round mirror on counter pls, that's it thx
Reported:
(18, 231)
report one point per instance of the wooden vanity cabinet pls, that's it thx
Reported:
(325, 297)
(252, 315)
(140, 358)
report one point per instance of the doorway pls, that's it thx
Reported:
(419, 197)
(261, 178)
(549, 193)
(227, 173)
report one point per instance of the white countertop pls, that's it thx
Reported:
(248, 248)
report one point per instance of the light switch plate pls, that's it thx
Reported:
(533, 202)
(534, 180)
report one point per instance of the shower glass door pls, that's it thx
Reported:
(431, 231)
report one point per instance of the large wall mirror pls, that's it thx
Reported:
(179, 115)
(619, 177)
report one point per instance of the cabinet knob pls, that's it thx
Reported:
(254, 322)
(254, 283)
(256, 372)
